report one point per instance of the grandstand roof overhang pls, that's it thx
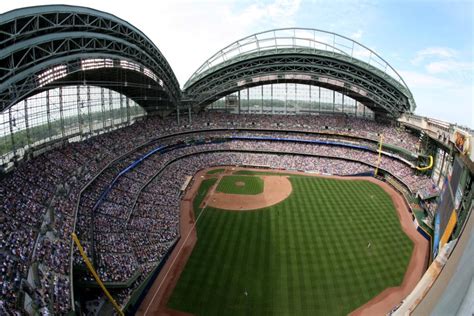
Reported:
(304, 56)
(57, 45)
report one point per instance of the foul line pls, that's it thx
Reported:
(172, 263)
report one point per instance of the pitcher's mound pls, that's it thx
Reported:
(275, 190)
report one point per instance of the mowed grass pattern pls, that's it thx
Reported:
(251, 185)
(202, 191)
(216, 171)
(305, 256)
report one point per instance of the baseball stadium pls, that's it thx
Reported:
(289, 175)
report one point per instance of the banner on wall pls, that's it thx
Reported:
(458, 197)
(436, 236)
(461, 141)
(449, 230)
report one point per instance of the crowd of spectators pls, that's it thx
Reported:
(338, 124)
(157, 208)
(430, 206)
(38, 199)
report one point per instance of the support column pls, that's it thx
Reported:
(296, 99)
(333, 101)
(48, 113)
(61, 111)
(189, 112)
(27, 124)
(238, 109)
(310, 101)
(79, 115)
(441, 172)
(127, 103)
(342, 102)
(89, 117)
(271, 98)
(319, 99)
(177, 112)
(248, 101)
(12, 137)
(121, 108)
(102, 106)
(111, 109)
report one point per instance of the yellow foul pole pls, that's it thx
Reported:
(380, 156)
(430, 165)
(96, 276)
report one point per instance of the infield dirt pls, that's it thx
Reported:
(275, 190)
(156, 300)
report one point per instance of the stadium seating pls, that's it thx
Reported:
(132, 229)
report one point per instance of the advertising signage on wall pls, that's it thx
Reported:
(461, 141)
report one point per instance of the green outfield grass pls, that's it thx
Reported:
(307, 255)
(202, 191)
(252, 185)
(263, 173)
(215, 171)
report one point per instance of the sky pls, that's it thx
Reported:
(429, 42)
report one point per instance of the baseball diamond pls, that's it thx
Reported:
(331, 246)
(240, 185)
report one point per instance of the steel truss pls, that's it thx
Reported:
(35, 39)
(374, 91)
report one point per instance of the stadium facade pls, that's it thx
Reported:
(87, 100)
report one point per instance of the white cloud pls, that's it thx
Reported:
(357, 35)
(453, 104)
(420, 80)
(199, 31)
(188, 32)
(278, 12)
(442, 85)
(445, 66)
(440, 98)
(433, 52)
(362, 53)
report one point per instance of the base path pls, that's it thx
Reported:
(161, 290)
(157, 297)
(275, 190)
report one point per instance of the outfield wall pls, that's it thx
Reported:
(160, 149)
(139, 295)
(443, 290)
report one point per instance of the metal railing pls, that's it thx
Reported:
(297, 39)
